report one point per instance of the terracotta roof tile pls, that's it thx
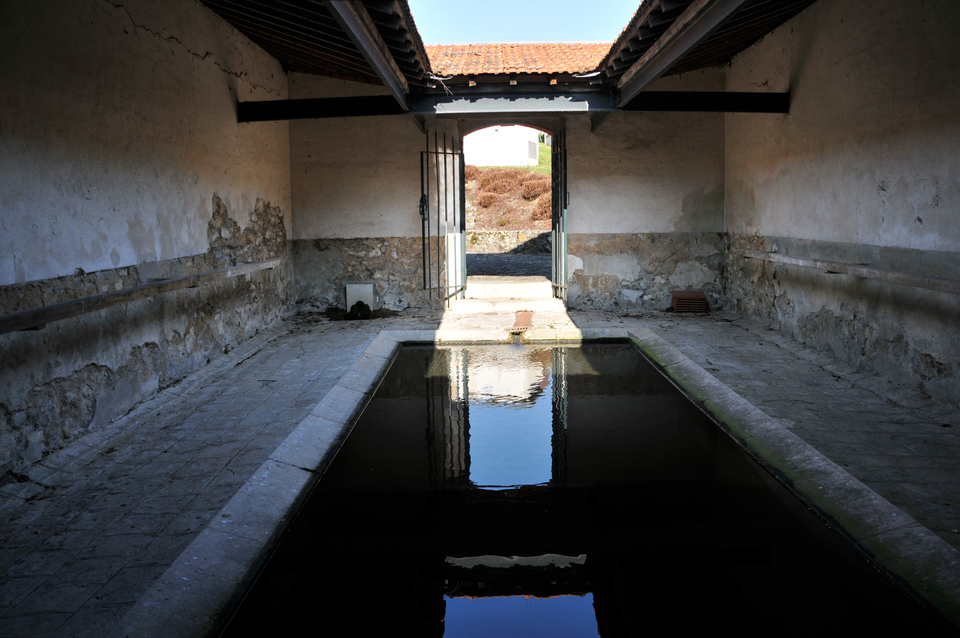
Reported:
(476, 59)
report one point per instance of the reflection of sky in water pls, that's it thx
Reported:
(511, 418)
(556, 617)
(511, 444)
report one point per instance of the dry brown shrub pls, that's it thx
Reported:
(544, 208)
(502, 186)
(533, 190)
(489, 175)
(486, 200)
(471, 172)
(530, 176)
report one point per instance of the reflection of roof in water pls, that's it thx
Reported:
(500, 562)
(514, 376)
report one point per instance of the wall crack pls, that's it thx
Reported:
(240, 75)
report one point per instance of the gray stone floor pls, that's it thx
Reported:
(98, 523)
(506, 264)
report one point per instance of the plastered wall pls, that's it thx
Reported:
(121, 159)
(353, 177)
(649, 172)
(119, 124)
(356, 193)
(864, 169)
(646, 204)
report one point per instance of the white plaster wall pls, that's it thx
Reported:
(353, 177)
(870, 152)
(117, 126)
(501, 146)
(649, 172)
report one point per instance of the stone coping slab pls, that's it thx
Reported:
(194, 595)
(916, 559)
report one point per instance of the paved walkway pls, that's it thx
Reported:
(509, 265)
(98, 523)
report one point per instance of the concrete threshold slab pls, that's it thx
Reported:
(205, 582)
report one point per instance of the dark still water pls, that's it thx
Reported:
(525, 491)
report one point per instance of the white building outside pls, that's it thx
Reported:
(502, 146)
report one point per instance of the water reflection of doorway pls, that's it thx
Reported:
(474, 441)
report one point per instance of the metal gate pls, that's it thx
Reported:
(561, 201)
(443, 218)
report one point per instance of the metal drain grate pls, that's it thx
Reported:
(522, 322)
(688, 301)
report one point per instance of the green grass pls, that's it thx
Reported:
(546, 160)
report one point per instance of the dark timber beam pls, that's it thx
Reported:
(599, 105)
(353, 18)
(710, 102)
(697, 22)
(317, 108)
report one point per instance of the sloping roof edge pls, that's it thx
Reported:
(515, 57)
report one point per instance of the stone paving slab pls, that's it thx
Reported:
(99, 522)
(104, 521)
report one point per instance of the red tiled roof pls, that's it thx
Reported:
(476, 59)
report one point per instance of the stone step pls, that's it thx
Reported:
(504, 306)
(482, 287)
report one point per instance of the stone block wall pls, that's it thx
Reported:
(75, 375)
(394, 265)
(637, 272)
(903, 333)
(518, 242)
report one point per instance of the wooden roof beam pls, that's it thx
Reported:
(353, 18)
(694, 25)
(699, 20)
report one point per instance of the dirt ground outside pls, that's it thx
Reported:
(508, 197)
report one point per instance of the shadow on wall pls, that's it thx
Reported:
(541, 244)
(516, 242)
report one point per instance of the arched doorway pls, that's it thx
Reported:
(443, 203)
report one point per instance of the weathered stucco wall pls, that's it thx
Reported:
(638, 271)
(118, 123)
(356, 190)
(353, 177)
(78, 374)
(865, 167)
(649, 172)
(646, 204)
(121, 159)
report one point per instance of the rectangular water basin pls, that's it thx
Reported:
(567, 491)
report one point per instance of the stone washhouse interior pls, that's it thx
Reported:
(186, 187)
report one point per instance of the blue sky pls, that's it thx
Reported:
(472, 21)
